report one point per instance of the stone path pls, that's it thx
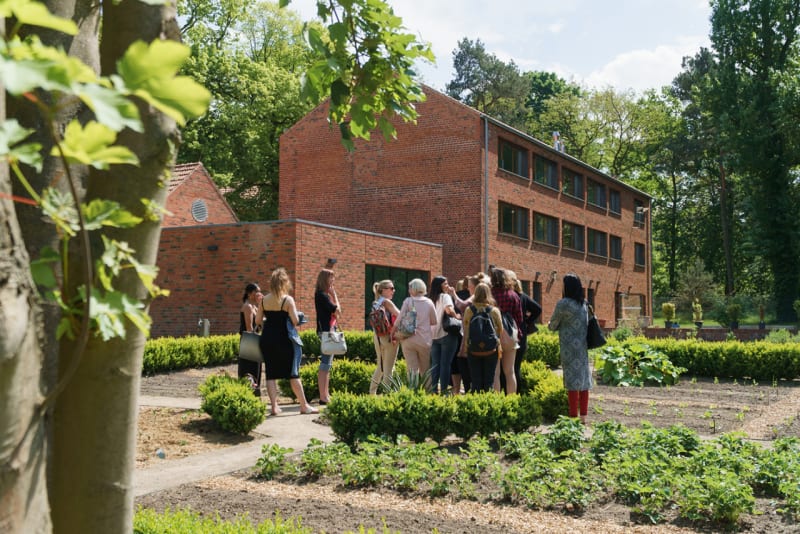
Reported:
(290, 429)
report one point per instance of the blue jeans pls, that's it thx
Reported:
(442, 352)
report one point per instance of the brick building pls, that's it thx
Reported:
(206, 257)
(489, 193)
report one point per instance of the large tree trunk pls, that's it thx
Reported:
(94, 451)
(23, 444)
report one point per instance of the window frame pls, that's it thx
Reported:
(614, 207)
(594, 185)
(574, 228)
(638, 215)
(515, 222)
(639, 250)
(611, 248)
(572, 183)
(596, 237)
(546, 240)
(549, 175)
(518, 154)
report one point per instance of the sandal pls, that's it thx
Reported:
(309, 410)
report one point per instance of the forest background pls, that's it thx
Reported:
(718, 149)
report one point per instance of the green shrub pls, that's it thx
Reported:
(147, 521)
(231, 403)
(637, 365)
(546, 387)
(346, 376)
(543, 346)
(170, 353)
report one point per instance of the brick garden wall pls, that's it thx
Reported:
(209, 283)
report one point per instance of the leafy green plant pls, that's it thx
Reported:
(636, 365)
(148, 521)
(272, 460)
(231, 403)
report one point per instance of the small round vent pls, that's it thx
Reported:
(199, 210)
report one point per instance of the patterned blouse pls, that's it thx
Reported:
(571, 320)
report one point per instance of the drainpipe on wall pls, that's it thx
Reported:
(486, 194)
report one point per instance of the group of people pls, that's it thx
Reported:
(431, 347)
(444, 352)
(276, 317)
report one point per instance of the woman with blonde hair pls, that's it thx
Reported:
(276, 308)
(482, 367)
(417, 347)
(385, 345)
(326, 304)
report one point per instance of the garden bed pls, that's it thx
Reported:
(763, 411)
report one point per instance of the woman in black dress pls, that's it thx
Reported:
(251, 301)
(278, 307)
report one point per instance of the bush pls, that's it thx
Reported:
(546, 387)
(231, 403)
(543, 346)
(346, 376)
(148, 521)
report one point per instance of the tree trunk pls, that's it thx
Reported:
(94, 451)
(23, 444)
(725, 221)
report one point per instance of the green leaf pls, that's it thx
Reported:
(149, 72)
(36, 14)
(99, 213)
(111, 108)
(42, 268)
(11, 147)
(92, 146)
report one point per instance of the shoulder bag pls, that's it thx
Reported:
(594, 334)
(450, 324)
(249, 348)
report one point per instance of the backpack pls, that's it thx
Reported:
(379, 321)
(483, 340)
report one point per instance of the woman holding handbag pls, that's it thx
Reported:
(570, 319)
(326, 303)
(276, 344)
(251, 301)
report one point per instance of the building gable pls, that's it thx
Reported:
(194, 199)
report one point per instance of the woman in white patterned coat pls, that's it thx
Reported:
(571, 319)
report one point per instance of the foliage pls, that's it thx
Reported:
(231, 403)
(668, 311)
(796, 306)
(272, 460)
(621, 333)
(366, 66)
(545, 387)
(543, 346)
(148, 521)
(781, 335)
(637, 365)
(417, 415)
(655, 471)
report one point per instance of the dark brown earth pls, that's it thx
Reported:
(763, 410)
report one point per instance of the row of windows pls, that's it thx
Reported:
(514, 220)
(515, 159)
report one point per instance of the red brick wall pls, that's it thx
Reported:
(429, 183)
(210, 283)
(197, 186)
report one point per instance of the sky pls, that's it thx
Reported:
(624, 44)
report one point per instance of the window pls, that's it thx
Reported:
(572, 236)
(590, 296)
(614, 203)
(638, 254)
(513, 220)
(615, 247)
(571, 183)
(512, 158)
(546, 229)
(596, 193)
(546, 172)
(596, 242)
(638, 212)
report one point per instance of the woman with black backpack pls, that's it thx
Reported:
(482, 322)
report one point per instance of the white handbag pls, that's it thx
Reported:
(333, 343)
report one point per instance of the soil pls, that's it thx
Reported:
(711, 407)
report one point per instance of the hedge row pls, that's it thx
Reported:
(170, 354)
(760, 360)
